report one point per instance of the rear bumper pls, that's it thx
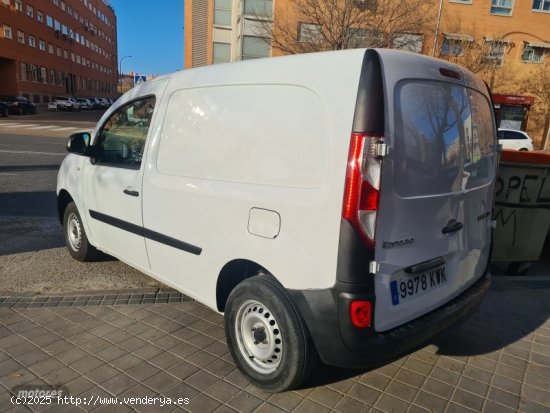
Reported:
(341, 344)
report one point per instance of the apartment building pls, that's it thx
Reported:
(503, 41)
(57, 47)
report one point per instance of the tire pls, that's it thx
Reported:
(267, 338)
(75, 236)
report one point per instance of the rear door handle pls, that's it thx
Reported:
(452, 226)
(131, 192)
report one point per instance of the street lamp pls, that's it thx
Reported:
(120, 71)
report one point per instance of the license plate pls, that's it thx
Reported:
(412, 286)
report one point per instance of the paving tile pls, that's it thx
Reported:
(181, 390)
(164, 360)
(142, 371)
(79, 385)
(456, 408)
(202, 404)
(222, 391)
(392, 404)
(430, 401)
(32, 357)
(86, 364)
(201, 358)
(219, 367)
(102, 374)
(132, 343)
(325, 396)
(111, 353)
(401, 390)
(161, 381)
(473, 386)
(536, 395)
(375, 380)
(309, 406)
(244, 402)
(365, 394)
(467, 399)
(347, 405)
(529, 406)
(438, 388)
(479, 374)
(148, 351)
(119, 383)
(126, 362)
(60, 376)
(410, 377)
(183, 350)
(287, 401)
(492, 407)
(201, 380)
(72, 355)
(46, 366)
(182, 370)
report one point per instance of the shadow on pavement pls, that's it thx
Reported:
(28, 204)
(28, 168)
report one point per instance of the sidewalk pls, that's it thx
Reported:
(497, 361)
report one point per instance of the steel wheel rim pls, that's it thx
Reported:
(74, 232)
(258, 337)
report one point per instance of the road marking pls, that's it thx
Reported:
(23, 125)
(65, 129)
(7, 174)
(43, 127)
(33, 153)
(8, 124)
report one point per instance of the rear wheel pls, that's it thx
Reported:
(267, 338)
(75, 236)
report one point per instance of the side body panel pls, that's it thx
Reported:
(270, 135)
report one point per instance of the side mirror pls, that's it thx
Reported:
(79, 143)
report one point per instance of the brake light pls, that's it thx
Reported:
(362, 189)
(360, 313)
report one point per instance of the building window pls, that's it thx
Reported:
(495, 54)
(43, 75)
(254, 47)
(309, 33)
(453, 44)
(221, 53)
(63, 6)
(7, 32)
(7, 2)
(52, 76)
(502, 7)
(23, 71)
(32, 41)
(532, 54)
(33, 72)
(66, 54)
(40, 16)
(222, 12)
(541, 5)
(56, 2)
(59, 78)
(461, 1)
(409, 42)
(57, 25)
(19, 5)
(261, 8)
(20, 37)
(50, 48)
(49, 21)
(42, 45)
(30, 11)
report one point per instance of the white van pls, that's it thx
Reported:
(333, 204)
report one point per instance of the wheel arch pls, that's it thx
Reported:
(231, 275)
(63, 199)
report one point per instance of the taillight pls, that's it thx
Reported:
(362, 188)
(360, 313)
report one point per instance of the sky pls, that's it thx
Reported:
(150, 32)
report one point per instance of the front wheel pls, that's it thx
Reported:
(267, 338)
(75, 236)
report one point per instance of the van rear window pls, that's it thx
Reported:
(444, 138)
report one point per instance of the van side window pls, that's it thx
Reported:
(121, 140)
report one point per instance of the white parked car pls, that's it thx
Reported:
(330, 213)
(84, 103)
(515, 139)
(64, 103)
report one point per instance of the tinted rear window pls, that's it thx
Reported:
(444, 138)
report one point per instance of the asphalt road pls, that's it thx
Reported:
(33, 257)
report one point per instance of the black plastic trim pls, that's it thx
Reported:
(339, 343)
(353, 258)
(369, 107)
(425, 266)
(144, 232)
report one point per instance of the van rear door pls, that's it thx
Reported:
(432, 235)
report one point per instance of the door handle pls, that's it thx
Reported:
(452, 226)
(131, 192)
